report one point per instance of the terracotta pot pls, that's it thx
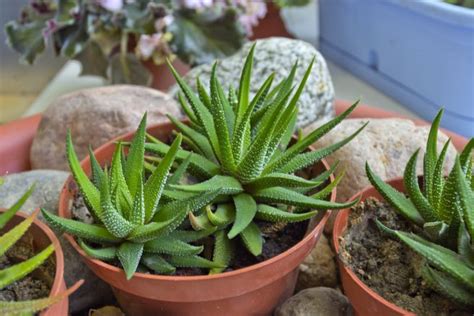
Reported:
(43, 236)
(364, 300)
(255, 290)
(270, 25)
(162, 77)
(16, 137)
(15, 143)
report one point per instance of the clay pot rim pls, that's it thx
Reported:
(57, 286)
(66, 214)
(335, 241)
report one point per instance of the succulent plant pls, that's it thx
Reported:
(20, 270)
(131, 224)
(443, 207)
(242, 146)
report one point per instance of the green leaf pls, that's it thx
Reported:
(447, 286)
(104, 254)
(200, 222)
(22, 269)
(201, 38)
(157, 181)
(96, 170)
(192, 235)
(138, 211)
(398, 200)
(273, 214)
(187, 110)
(171, 246)
(193, 262)
(134, 164)
(277, 179)
(10, 212)
(227, 185)
(326, 191)
(8, 239)
(289, 197)
(449, 202)
(223, 251)
(89, 232)
(157, 264)
(152, 230)
(180, 171)
(252, 239)
(26, 39)
(93, 60)
(244, 85)
(245, 210)
(88, 191)
(437, 182)
(466, 197)
(129, 255)
(128, 69)
(224, 215)
(430, 157)
(467, 153)
(410, 180)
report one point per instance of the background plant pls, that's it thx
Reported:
(242, 145)
(18, 271)
(443, 207)
(111, 37)
(131, 225)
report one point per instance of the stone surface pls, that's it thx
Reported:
(278, 55)
(95, 116)
(319, 268)
(386, 144)
(321, 301)
(48, 185)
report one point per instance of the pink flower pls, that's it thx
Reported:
(111, 5)
(147, 44)
(254, 11)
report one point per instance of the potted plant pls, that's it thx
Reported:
(26, 249)
(220, 200)
(129, 41)
(425, 230)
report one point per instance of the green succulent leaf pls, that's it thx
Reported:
(129, 254)
(245, 210)
(104, 254)
(179, 172)
(252, 238)
(438, 179)
(466, 197)
(193, 262)
(223, 216)
(96, 170)
(430, 160)
(192, 235)
(27, 39)
(273, 214)
(10, 212)
(171, 246)
(277, 179)
(223, 251)
(134, 164)
(326, 191)
(227, 185)
(8, 239)
(158, 264)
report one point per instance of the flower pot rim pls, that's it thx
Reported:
(62, 212)
(337, 232)
(58, 284)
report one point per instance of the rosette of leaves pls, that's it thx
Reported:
(443, 208)
(131, 224)
(20, 270)
(242, 146)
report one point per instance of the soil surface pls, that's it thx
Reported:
(34, 286)
(386, 265)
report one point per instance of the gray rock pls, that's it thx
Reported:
(94, 117)
(320, 301)
(386, 144)
(319, 268)
(46, 194)
(278, 55)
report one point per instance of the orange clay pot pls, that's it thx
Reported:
(271, 25)
(364, 300)
(43, 236)
(254, 290)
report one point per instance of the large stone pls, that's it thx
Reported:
(94, 117)
(321, 301)
(277, 55)
(48, 185)
(386, 144)
(319, 268)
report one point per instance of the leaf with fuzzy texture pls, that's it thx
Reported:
(171, 246)
(323, 193)
(448, 205)
(157, 181)
(466, 154)
(192, 235)
(398, 200)
(273, 214)
(85, 231)
(152, 230)
(22, 269)
(134, 164)
(193, 262)
(10, 212)
(252, 238)
(430, 159)
(223, 251)
(138, 211)
(96, 170)
(8, 239)
(227, 185)
(224, 214)
(437, 182)
(466, 197)
(245, 210)
(280, 180)
(158, 264)
(104, 254)
(129, 254)
(244, 86)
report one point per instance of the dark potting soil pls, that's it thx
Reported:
(278, 238)
(386, 265)
(34, 286)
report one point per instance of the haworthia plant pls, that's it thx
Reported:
(132, 223)
(443, 207)
(242, 145)
(20, 270)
